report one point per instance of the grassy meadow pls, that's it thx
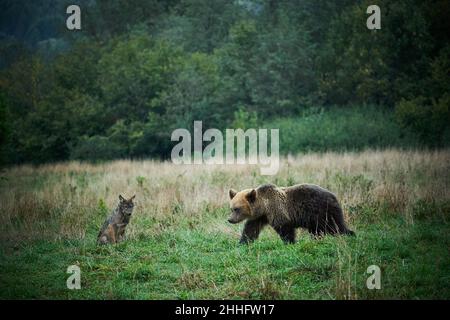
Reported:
(180, 246)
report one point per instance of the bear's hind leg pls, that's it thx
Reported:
(331, 227)
(316, 229)
(287, 233)
(340, 227)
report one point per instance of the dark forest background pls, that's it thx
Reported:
(139, 69)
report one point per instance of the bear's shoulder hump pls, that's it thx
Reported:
(266, 187)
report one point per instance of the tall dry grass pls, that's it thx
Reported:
(68, 200)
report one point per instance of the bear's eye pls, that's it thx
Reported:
(237, 210)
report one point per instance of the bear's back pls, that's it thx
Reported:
(310, 196)
(307, 188)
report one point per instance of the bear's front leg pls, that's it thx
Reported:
(252, 229)
(287, 233)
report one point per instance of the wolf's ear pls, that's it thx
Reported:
(121, 198)
(132, 198)
(251, 196)
(232, 193)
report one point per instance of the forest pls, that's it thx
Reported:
(139, 69)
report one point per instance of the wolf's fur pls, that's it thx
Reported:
(305, 205)
(113, 229)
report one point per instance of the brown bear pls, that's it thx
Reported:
(284, 209)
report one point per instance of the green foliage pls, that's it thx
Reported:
(142, 68)
(363, 66)
(341, 129)
(244, 120)
(133, 73)
(140, 181)
(428, 115)
(199, 25)
(440, 68)
(102, 209)
(430, 122)
(4, 128)
(96, 148)
(192, 94)
(33, 22)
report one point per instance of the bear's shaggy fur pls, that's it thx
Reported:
(305, 205)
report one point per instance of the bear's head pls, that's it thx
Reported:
(241, 204)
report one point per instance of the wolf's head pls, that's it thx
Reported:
(126, 206)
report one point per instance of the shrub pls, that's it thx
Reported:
(428, 120)
(96, 148)
(340, 129)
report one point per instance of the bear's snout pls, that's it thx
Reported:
(230, 220)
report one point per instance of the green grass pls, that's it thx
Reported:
(180, 245)
(193, 264)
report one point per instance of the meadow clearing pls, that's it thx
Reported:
(180, 246)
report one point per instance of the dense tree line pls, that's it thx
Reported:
(139, 69)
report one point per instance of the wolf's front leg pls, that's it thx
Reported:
(112, 232)
(102, 239)
(121, 235)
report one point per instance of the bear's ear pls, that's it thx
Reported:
(121, 198)
(251, 196)
(232, 193)
(132, 198)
